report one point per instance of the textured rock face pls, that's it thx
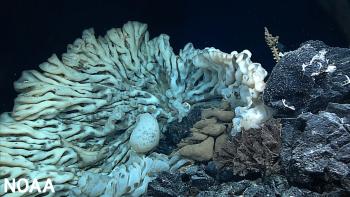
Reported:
(307, 79)
(187, 183)
(304, 89)
(195, 182)
(316, 149)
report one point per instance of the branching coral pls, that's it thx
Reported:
(77, 113)
(272, 42)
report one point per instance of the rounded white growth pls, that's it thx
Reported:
(145, 135)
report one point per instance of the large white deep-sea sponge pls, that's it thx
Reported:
(75, 116)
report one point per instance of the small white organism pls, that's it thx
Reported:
(146, 134)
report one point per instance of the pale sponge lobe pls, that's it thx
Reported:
(146, 134)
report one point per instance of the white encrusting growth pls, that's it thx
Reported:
(288, 106)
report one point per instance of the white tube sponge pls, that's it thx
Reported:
(245, 93)
(238, 80)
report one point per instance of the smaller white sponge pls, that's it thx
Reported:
(146, 134)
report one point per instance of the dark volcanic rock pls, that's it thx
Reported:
(198, 178)
(294, 191)
(307, 79)
(187, 183)
(271, 186)
(316, 150)
(168, 184)
(176, 131)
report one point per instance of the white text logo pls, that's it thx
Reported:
(23, 186)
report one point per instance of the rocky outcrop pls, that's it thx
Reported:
(309, 89)
(307, 79)
(316, 149)
(194, 181)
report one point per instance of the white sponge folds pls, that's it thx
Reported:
(146, 134)
(84, 115)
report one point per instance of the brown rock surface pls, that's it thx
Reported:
(213, 129)
(205, 122)
(199, 152)
(220, 142)
(224, 116)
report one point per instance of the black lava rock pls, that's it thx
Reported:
(187, 183)
(307, 79)
(194, 182)
(226, 174)
(294, 191)
(176, 131)
(271, 186)
(168, 185)
(211, 169)
(316, 150)
(199, 179)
